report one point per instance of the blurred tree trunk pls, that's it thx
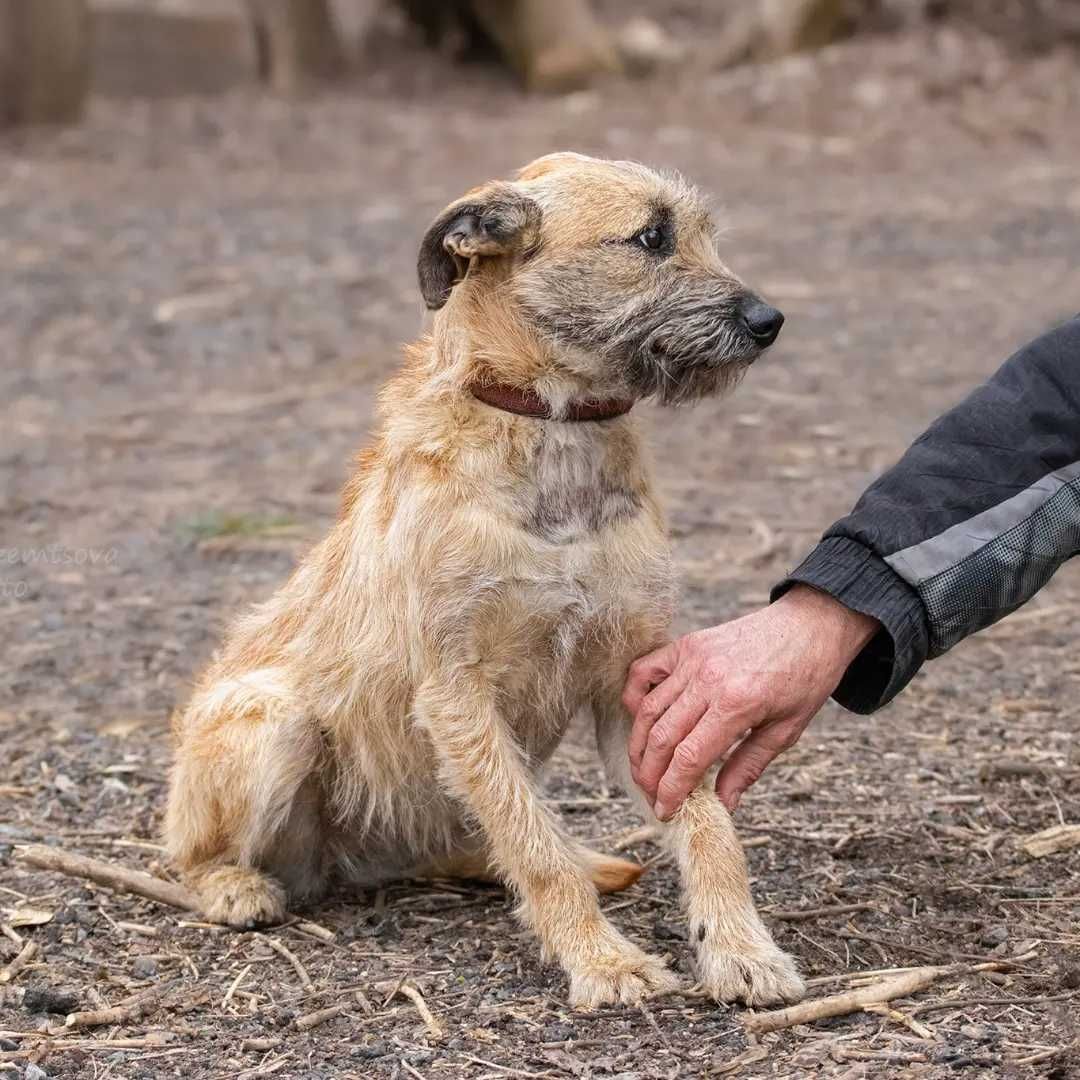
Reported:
(769, 29)
(549, 44)
(44, 61)
(298, 43)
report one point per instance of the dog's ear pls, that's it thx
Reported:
(492, 222)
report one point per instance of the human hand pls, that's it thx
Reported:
(766, 674)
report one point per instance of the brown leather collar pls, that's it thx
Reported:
(530, 403)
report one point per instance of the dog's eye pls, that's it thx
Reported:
(651, 238)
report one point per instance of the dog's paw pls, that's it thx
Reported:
(757, 974)
(240, 898)
(620, 978)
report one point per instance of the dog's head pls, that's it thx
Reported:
(612, 267)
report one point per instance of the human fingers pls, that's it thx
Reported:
(653, 706)
(664, 739)
(753, 756)
(645, 673)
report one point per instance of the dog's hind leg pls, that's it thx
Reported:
(243, 822)
(484, 767)
(737, 959)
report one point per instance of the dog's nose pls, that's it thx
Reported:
(762, 321)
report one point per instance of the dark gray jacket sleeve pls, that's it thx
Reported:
(971, 522)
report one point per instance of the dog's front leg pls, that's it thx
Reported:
(737, 959)
(483, 765)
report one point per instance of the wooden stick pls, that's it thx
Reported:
(234, 985)
(119, 878)
(143, 1042)
(1003, 1002)
(988, 965)
(1043, 1055)
(26, 954)
(798, 914)
(807, 1012)
(320, 1016)
(118, 1014)
(288, 954)
(882, 1009)
(315, 930)
(406, 989)
(260, 1045)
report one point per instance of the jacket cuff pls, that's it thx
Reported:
(861, 580)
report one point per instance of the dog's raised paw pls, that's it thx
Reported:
(760, 974)
(241, 898)
(620, 979)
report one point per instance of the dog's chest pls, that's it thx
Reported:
(577, 487)
(592, 585)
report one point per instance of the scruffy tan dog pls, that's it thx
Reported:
(498, 562)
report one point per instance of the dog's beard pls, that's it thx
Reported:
(687, 359)
(677, 386)
(675, 346)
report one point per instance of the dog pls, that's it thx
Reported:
(498, 561)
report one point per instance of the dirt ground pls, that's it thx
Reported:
(197, 302)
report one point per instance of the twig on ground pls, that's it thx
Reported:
(26, 954)
(288, 954)
(1044, 1055)
(913, 1025)
(137, 928)
(642, 835)
(891, 1057)
(260, 1045)
(1053, 840)
(798, 914)
(119, 1014)
(1002, 1002)
(320, 1016)
(651, 1021)
(748, 1057)
(151, 1041)
(505, 1069)
(402, 986)
(234, 985)
(430, 1022)
(903, 985)
(315, 930)
(120, 878)
(877, 973)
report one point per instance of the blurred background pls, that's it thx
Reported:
(209, 212)
(209, 216)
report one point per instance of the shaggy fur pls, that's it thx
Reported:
(387, 712)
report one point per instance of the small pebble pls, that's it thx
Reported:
(34, 1072)
(996, 935)
(47, 1000)
(144, 967)
(559, 1032)
(376, 1049)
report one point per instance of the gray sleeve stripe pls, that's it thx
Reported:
(929, 558)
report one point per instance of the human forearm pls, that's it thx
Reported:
(970, 523)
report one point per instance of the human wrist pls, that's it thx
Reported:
(841, 630)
